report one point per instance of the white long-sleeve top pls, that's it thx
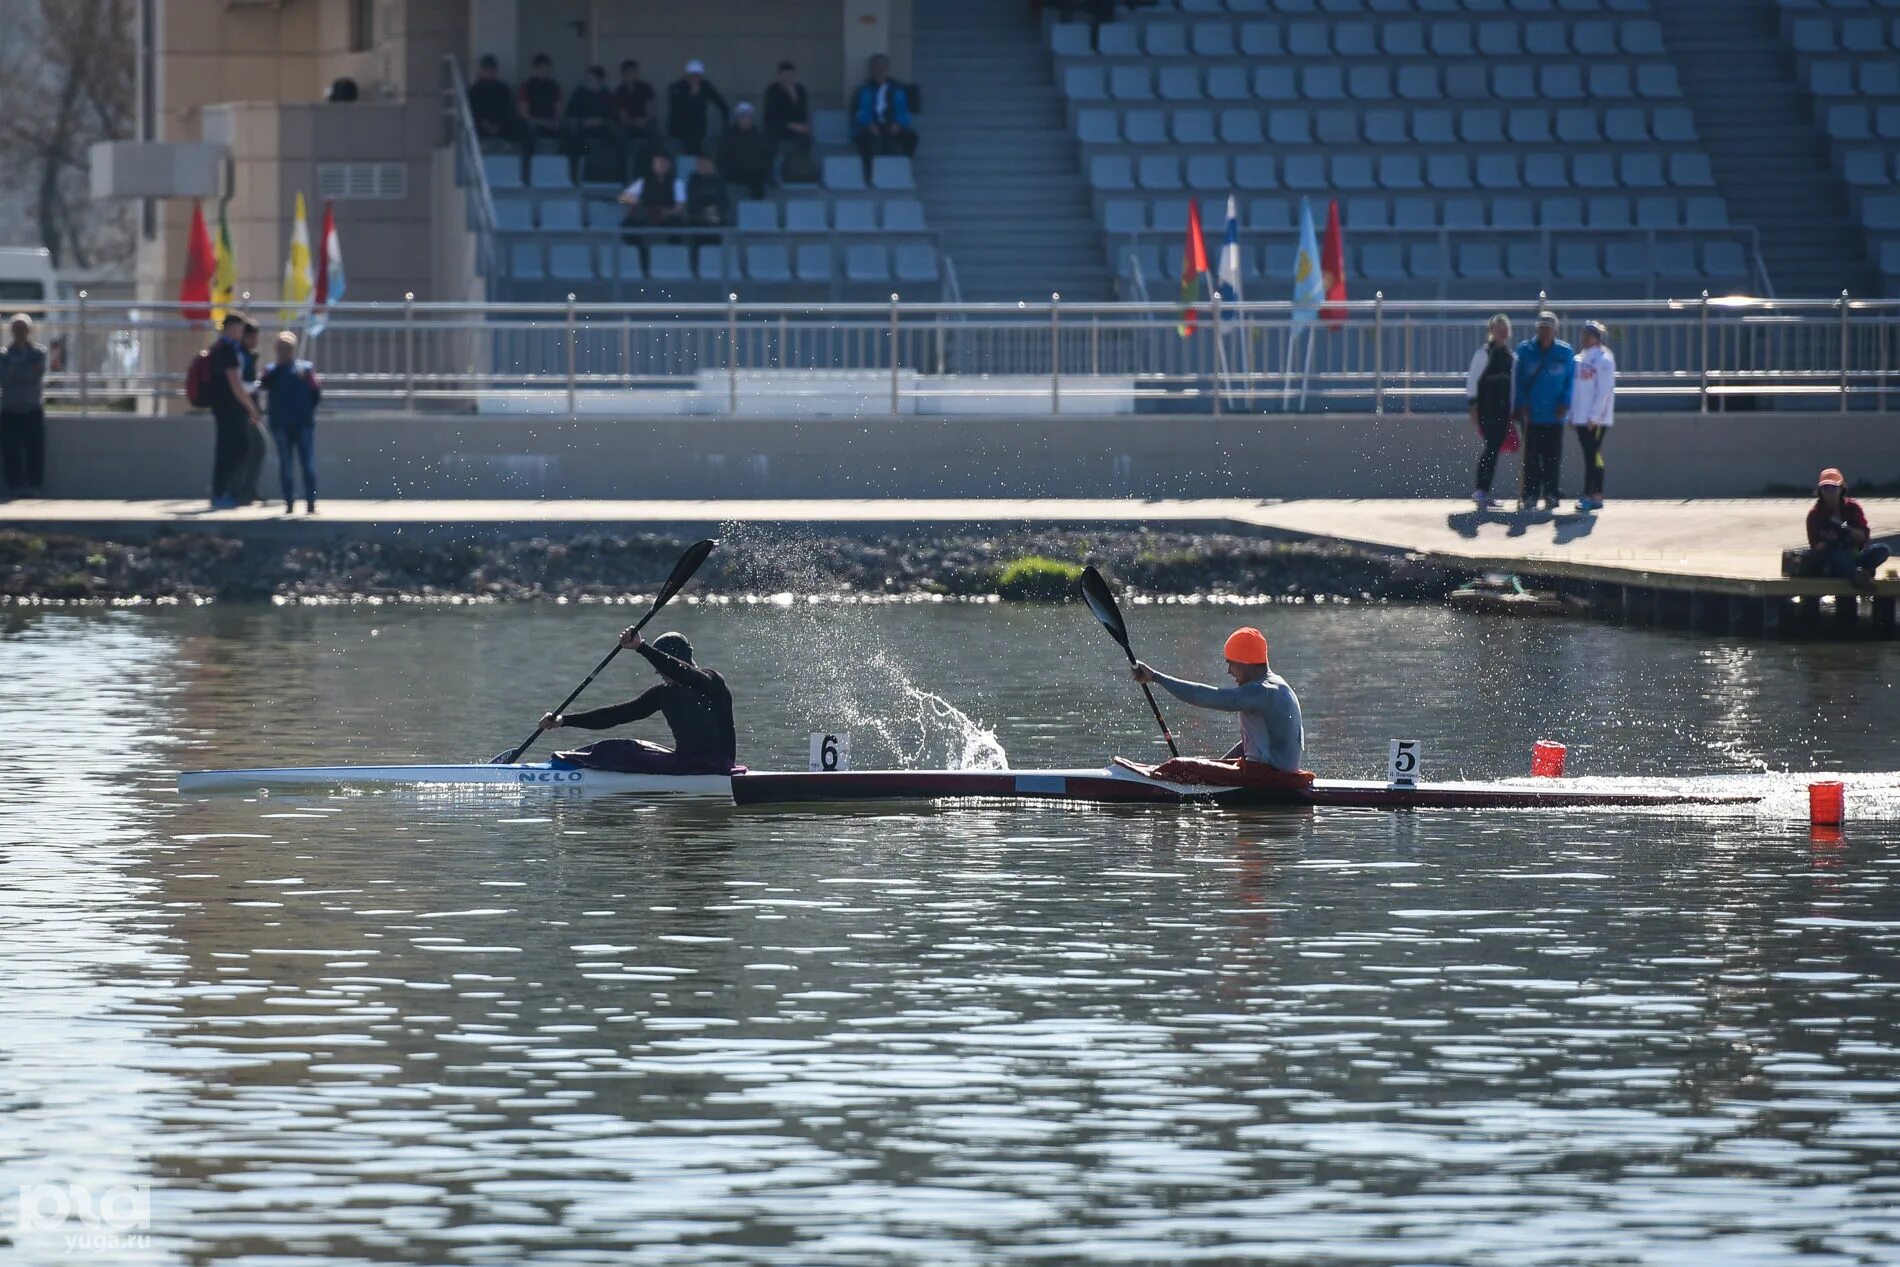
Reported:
(1593, 395)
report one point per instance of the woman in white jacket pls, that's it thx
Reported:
(1593, 409)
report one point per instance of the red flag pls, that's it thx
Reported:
(323, 255)
(1193, 268)
(201, 265)
(1332, 268)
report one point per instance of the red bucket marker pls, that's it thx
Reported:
(1547, 760)
(1827, 803)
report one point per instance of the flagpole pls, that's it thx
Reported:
(1307, 373)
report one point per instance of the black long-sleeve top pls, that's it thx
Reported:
(688, 113)
(695, 702)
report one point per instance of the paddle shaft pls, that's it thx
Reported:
(1154, 707)
(576, 692)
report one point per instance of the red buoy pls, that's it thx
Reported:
(1547, 760)
(1827, 803)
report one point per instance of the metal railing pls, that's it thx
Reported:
(568, 357)
(470, 173)
(1445, 240)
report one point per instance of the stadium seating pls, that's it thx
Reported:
(1467, 141)
(1849, 57)
(844, 238)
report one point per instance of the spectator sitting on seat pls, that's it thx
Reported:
(880, 116)
(657, 198)
(633, 106)
(689, 103)
(540, 101)
(1838, 536)
(788, 110)
(745, 155)
(589, 122)
(705, 194)
(491, 106)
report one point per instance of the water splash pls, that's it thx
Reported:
(853, 681)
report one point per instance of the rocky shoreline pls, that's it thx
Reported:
(201, 566)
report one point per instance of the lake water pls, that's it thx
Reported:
(490, 1028)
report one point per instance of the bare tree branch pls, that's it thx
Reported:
(67, 69)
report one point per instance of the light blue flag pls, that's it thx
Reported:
(1309, 283)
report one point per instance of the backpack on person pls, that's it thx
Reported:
(198, 380)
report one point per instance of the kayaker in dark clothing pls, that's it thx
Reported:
(695, 702)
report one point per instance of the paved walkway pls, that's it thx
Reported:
(1729, 545)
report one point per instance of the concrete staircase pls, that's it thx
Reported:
(1770, 157)
(998, 166)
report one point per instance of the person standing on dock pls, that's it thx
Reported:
(23, 409)
(1839, 540)
(695, 702)
(1488, 391)
(1593, 409)
(1546, 371)
(232, 411)
(291, 393)
(1271, 732)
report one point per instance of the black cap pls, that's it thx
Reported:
(675, 645)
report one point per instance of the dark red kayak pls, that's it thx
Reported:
(1125, 783)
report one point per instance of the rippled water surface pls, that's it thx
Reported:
(483, 1027)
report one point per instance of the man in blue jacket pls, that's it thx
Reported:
(880, 116)
(291, 393)
(1546, 373)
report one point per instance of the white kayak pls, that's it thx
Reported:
(525, 776)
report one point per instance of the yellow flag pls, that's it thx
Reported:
(299, 283)
(224, 278)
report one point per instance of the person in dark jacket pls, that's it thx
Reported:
(745, 153)
(232, 410)
(880, 116)
(1546, 374)
(657, 198)
(539, 100)
(689, 106)
(23, 409)
(256, 442)
(1488, 393)
(633, 108)
(291, 394)
(697, 706)
(788, 110)
(1839, 540)
(590, 124)
(706, 195)
(491, 106)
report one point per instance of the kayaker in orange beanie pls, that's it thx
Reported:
(1271, 732)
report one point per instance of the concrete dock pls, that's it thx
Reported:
(1710, 564)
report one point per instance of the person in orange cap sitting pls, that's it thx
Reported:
(1838, 535)
(1271, 732)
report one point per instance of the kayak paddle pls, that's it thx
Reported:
(1101, 601)
(682, 573)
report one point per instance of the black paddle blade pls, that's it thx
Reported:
(1101, 601)
(682, 573)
